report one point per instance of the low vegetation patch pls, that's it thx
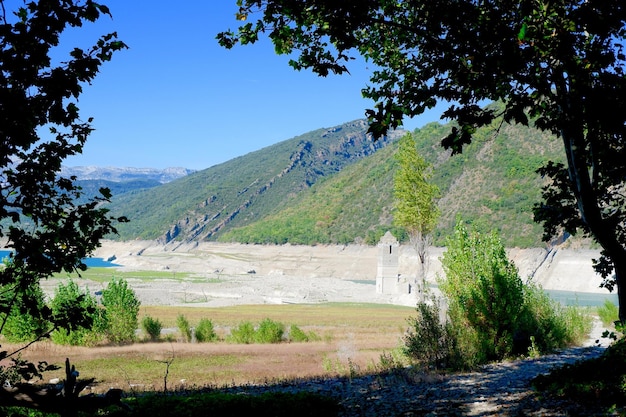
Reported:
(596, 382)
(491, 313)
(215, 404)
(105, 274)
(219, 404)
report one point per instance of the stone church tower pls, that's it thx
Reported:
(388, 279)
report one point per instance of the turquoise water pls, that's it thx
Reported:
(583, 299)
(90, 262)
(568, 298)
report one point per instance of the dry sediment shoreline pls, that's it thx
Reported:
(231, 274)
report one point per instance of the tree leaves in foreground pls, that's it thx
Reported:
(559, 64)
(41, 221)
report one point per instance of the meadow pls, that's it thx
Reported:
(352, 339)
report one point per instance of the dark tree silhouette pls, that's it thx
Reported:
(558, 65)
(41, 221)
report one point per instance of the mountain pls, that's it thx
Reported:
(120, 180)
(116, 174)
(205, 204)
(335, 186)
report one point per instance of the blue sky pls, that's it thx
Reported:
(176, 98)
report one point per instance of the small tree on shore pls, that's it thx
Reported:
(121, 311)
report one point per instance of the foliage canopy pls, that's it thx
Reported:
(42, 219)
(556, 64)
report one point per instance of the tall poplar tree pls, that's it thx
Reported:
(415, 199)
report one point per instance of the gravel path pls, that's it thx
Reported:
(501, 389)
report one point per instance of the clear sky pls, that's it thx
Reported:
(176, 98)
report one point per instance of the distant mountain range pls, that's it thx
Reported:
(117, 174)
(334, 185)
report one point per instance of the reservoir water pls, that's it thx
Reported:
(568, 298)
(90, 262)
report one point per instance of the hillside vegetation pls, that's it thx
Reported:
(205, 204)
(335, 186)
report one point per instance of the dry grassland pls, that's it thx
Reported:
(353, 336)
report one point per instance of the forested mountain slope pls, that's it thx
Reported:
(335, 186)
(244, 190)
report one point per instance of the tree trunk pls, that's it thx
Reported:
(619, 263)
(578, 150)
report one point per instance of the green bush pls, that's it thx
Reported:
(269, 331)
(493, 315)
(122, 310)
(485, 294)
(428, 341)
(92, 328)
(21, 325)
(296, 334)
(152, 327)
(244, 333)
(185, 329)
(205, 331)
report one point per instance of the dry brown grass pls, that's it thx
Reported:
(353, 337)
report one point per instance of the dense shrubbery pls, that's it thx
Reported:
(428, 341)
(243, 333)
(71, 294)
(267, 331)
(20, 325)
(121, 311)
(296, 334)
(205, 331)
(114, 321)
(184, 328)
(492, 313)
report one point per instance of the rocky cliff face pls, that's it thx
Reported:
(310, 158)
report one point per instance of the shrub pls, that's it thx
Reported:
(492, 313)
(21, 325)
(152, 327)
(184, 328)
(428, 341)
(484, 291)
(269, 331)
(122, 310)
(243, 333)
(205, 331)
(296, 334)
(91, 329)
